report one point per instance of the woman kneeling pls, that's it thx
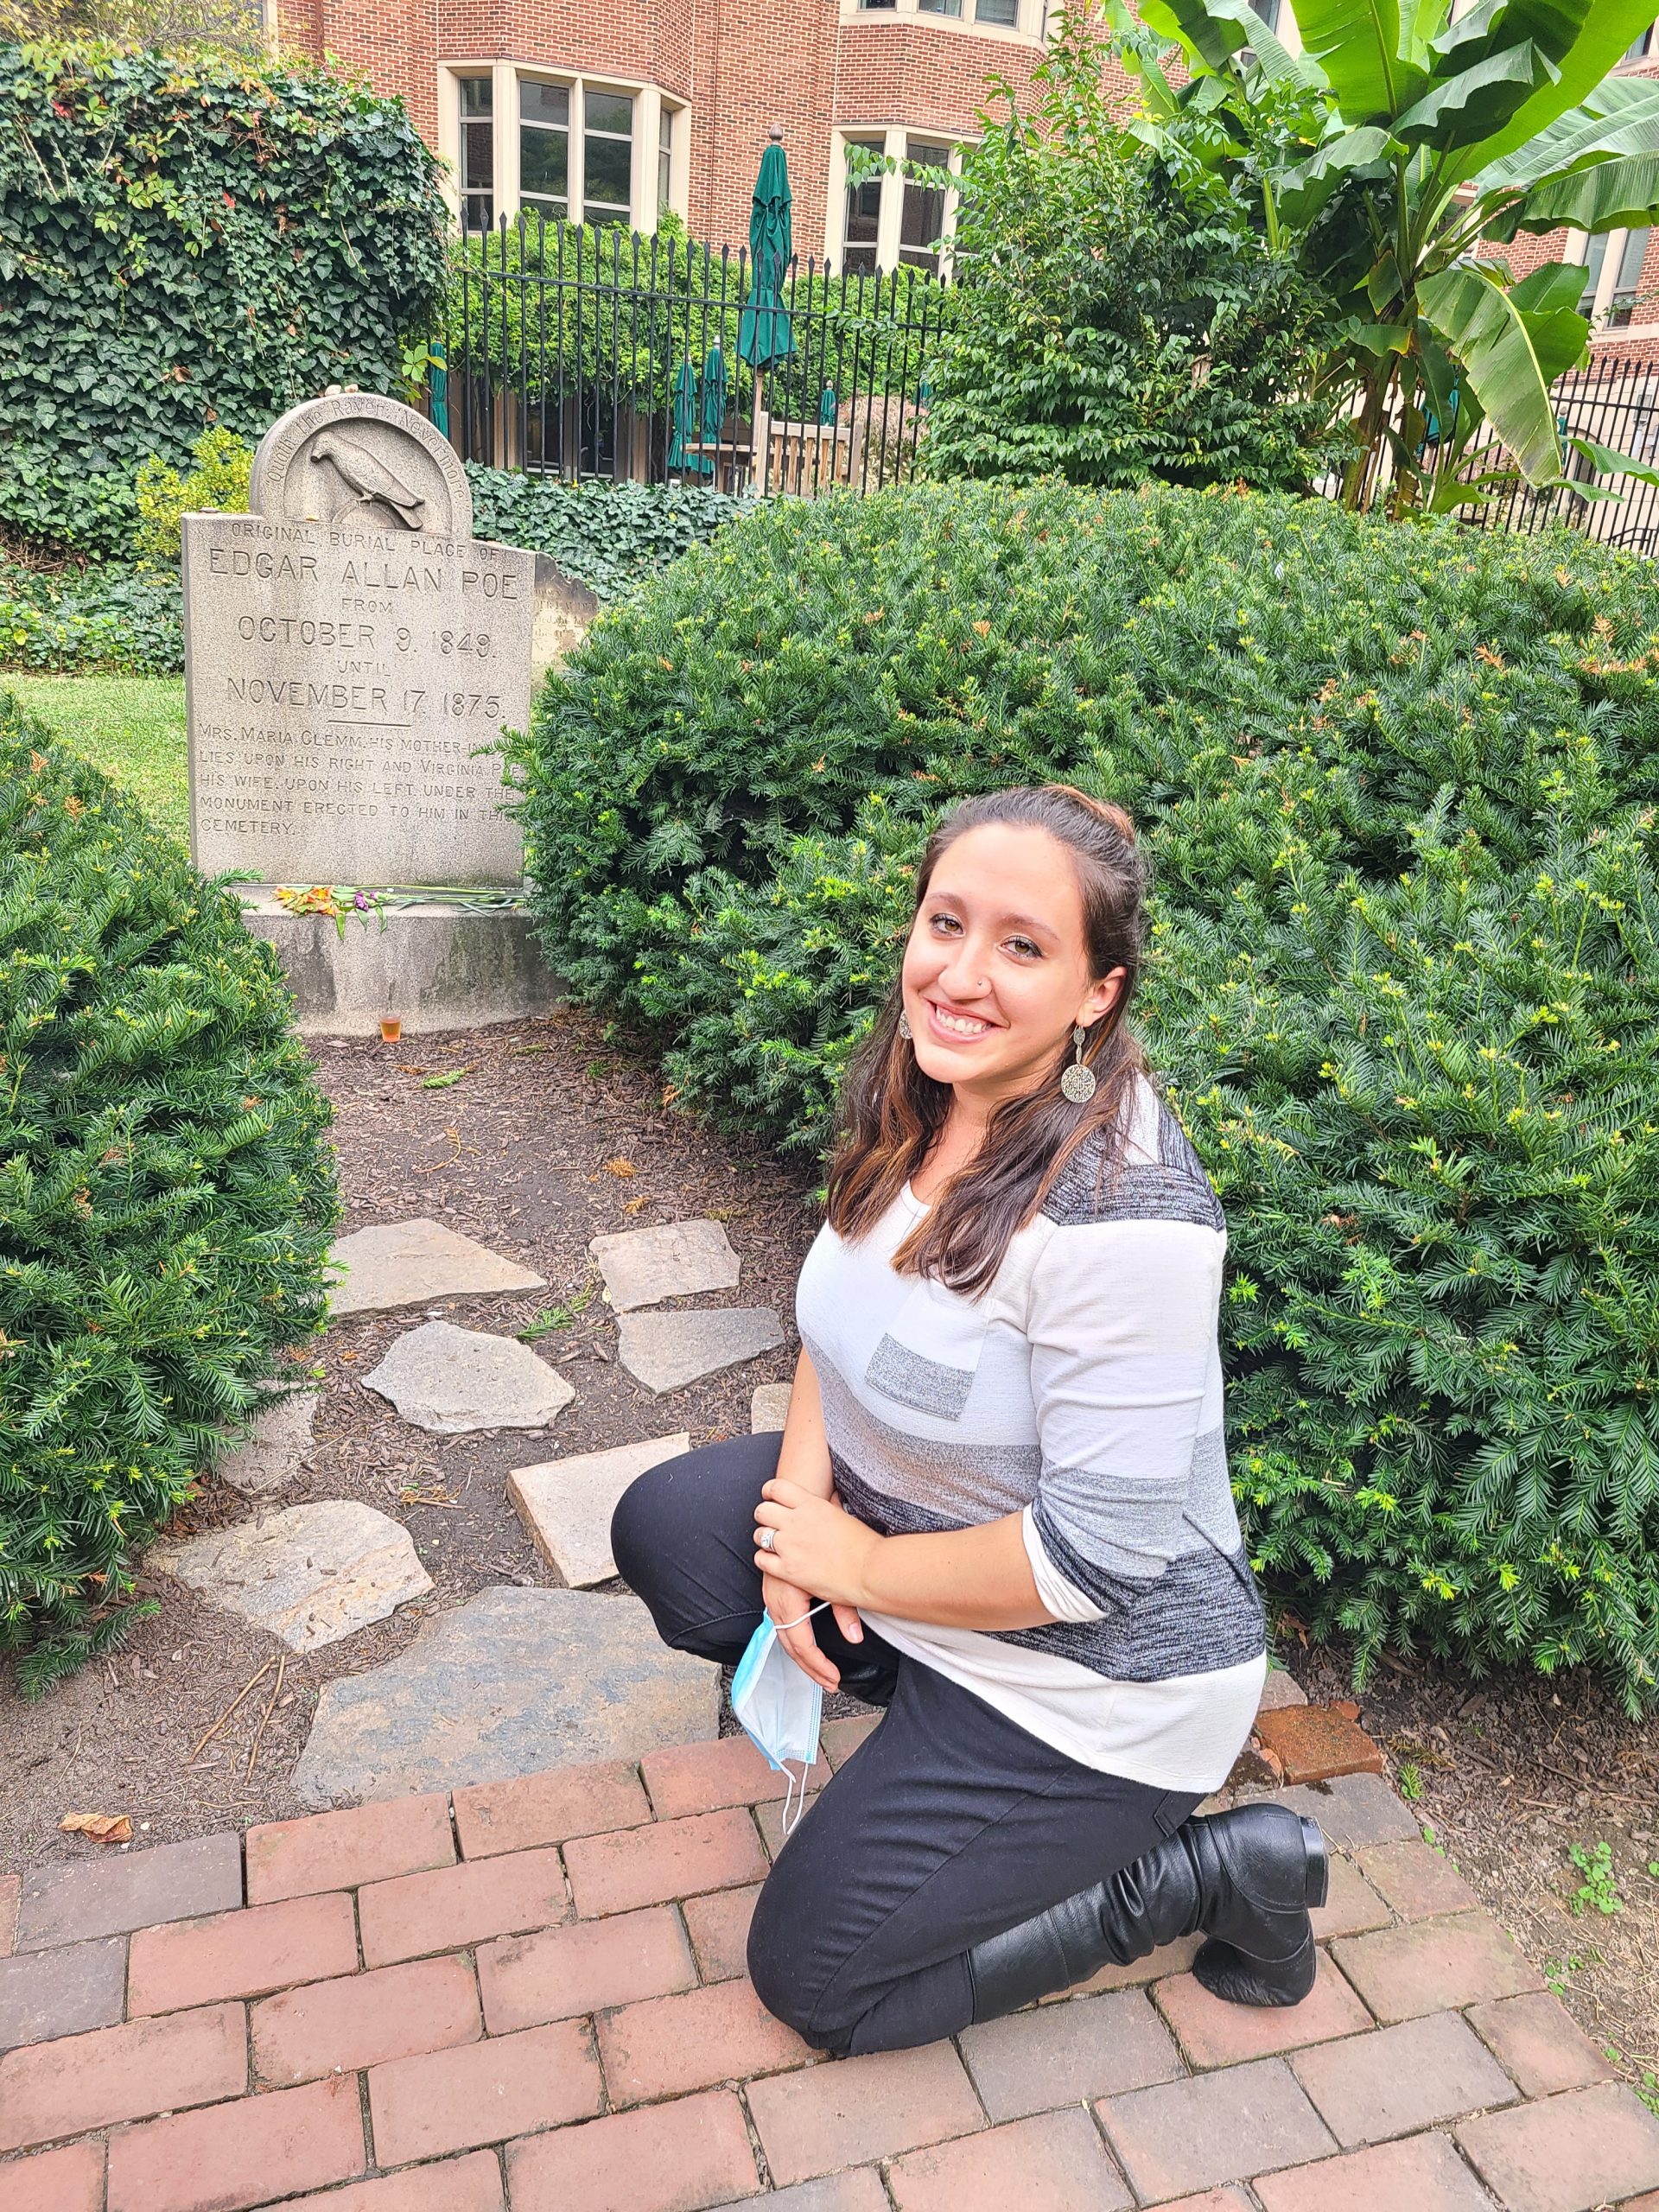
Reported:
(1005, 1470)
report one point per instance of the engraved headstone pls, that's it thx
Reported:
(350, 651)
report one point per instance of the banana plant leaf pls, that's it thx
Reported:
(1460, 109)
(1605, 30)
(1481, 326)
(1357, 45)
(1611, 196)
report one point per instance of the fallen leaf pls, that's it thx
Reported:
(638, 1205)
(103, 1827)
(619, 1166)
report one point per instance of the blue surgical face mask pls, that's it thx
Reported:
(778, 1708)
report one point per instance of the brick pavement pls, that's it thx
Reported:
(531, 1997)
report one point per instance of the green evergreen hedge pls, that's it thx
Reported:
(190, 238)
(1398, 784)
(167, 1195)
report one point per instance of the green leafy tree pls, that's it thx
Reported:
(190, 238)
(1109, 322)
(1393, 161)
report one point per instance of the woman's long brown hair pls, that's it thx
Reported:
(892, 1113)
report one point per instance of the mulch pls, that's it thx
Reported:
(558, 1133)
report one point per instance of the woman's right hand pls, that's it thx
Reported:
(786, 1604)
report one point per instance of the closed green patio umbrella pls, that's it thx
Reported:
(685, 425)
(713, 396)
(763, 334)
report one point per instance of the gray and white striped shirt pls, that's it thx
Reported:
(1082, 1389)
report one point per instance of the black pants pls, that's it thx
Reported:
(951, 1824)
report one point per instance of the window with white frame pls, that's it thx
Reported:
(1004, 14)
(1613, 262)
(477, 164)
(893, 218)
(561, 147)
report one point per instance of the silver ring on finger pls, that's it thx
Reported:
(765, 1539)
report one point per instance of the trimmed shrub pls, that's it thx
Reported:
(167, 1195)
(1399, 784)
(609, 537)
(192, 238)
(218, 479)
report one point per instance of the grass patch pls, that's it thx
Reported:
(132, 727)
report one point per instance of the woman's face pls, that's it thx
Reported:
(997, 973)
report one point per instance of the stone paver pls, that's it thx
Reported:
(859, 2191)
(170, 1881)
(529, 1979)
(69, 2180)
(1419, 1884)
(1280, 1689)
(62, 1991)
(470, 2183)
(1354, 1810)
(671, 1259)
(53, 2089)
(566, 1504)
(412, 1263)
(236, 2155)
(454, 1382)
(718, 1925)
(1312, 1741)
(514, 1682)
(419, 1913)
(1401, 2079)
(672, 2158)
(281, 1436)
(1213, 2033)
(673, 1859)
(861, 2108)
(310, 1575)
(1351, 1905)
(1433, 1964)
(342, 1849)
(1097, 2047)
(1566, 2154)
(666, 1350)
(438, 2102)
(1423, 2174)
(1055, 2163)
(1540, 2043)
(706, 1777)
(330, 2027)
(527, 1993)
(540, 1808)
(668, 2045)
(1223, 2126)
(769, 1407)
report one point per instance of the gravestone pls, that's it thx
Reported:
(351, 655)
(349, 646)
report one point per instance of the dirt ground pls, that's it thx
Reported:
(531, 1153)
(553, 1136)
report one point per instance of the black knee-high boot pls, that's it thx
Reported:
(1246, 1878)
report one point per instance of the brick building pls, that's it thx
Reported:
(607, 109)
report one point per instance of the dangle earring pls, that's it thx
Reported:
(904, 1026)
(1078, 1084)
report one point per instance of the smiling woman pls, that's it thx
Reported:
(1001, 1505)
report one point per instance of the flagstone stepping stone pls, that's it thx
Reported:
(769, 1406)
(452, 1381)
(408, 1262)
(513, 1681)
(672, 1259)
(280, 1439)
(663, 1350)
(566, 1504)
(311, 1576)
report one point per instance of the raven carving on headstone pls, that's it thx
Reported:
(369, 480)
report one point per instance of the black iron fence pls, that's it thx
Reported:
(1613, 404)
(583, 352)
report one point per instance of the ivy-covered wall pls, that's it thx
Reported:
(189, 238)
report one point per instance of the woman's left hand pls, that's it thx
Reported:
(819, 1546)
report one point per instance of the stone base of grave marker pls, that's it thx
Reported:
(436, 967)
